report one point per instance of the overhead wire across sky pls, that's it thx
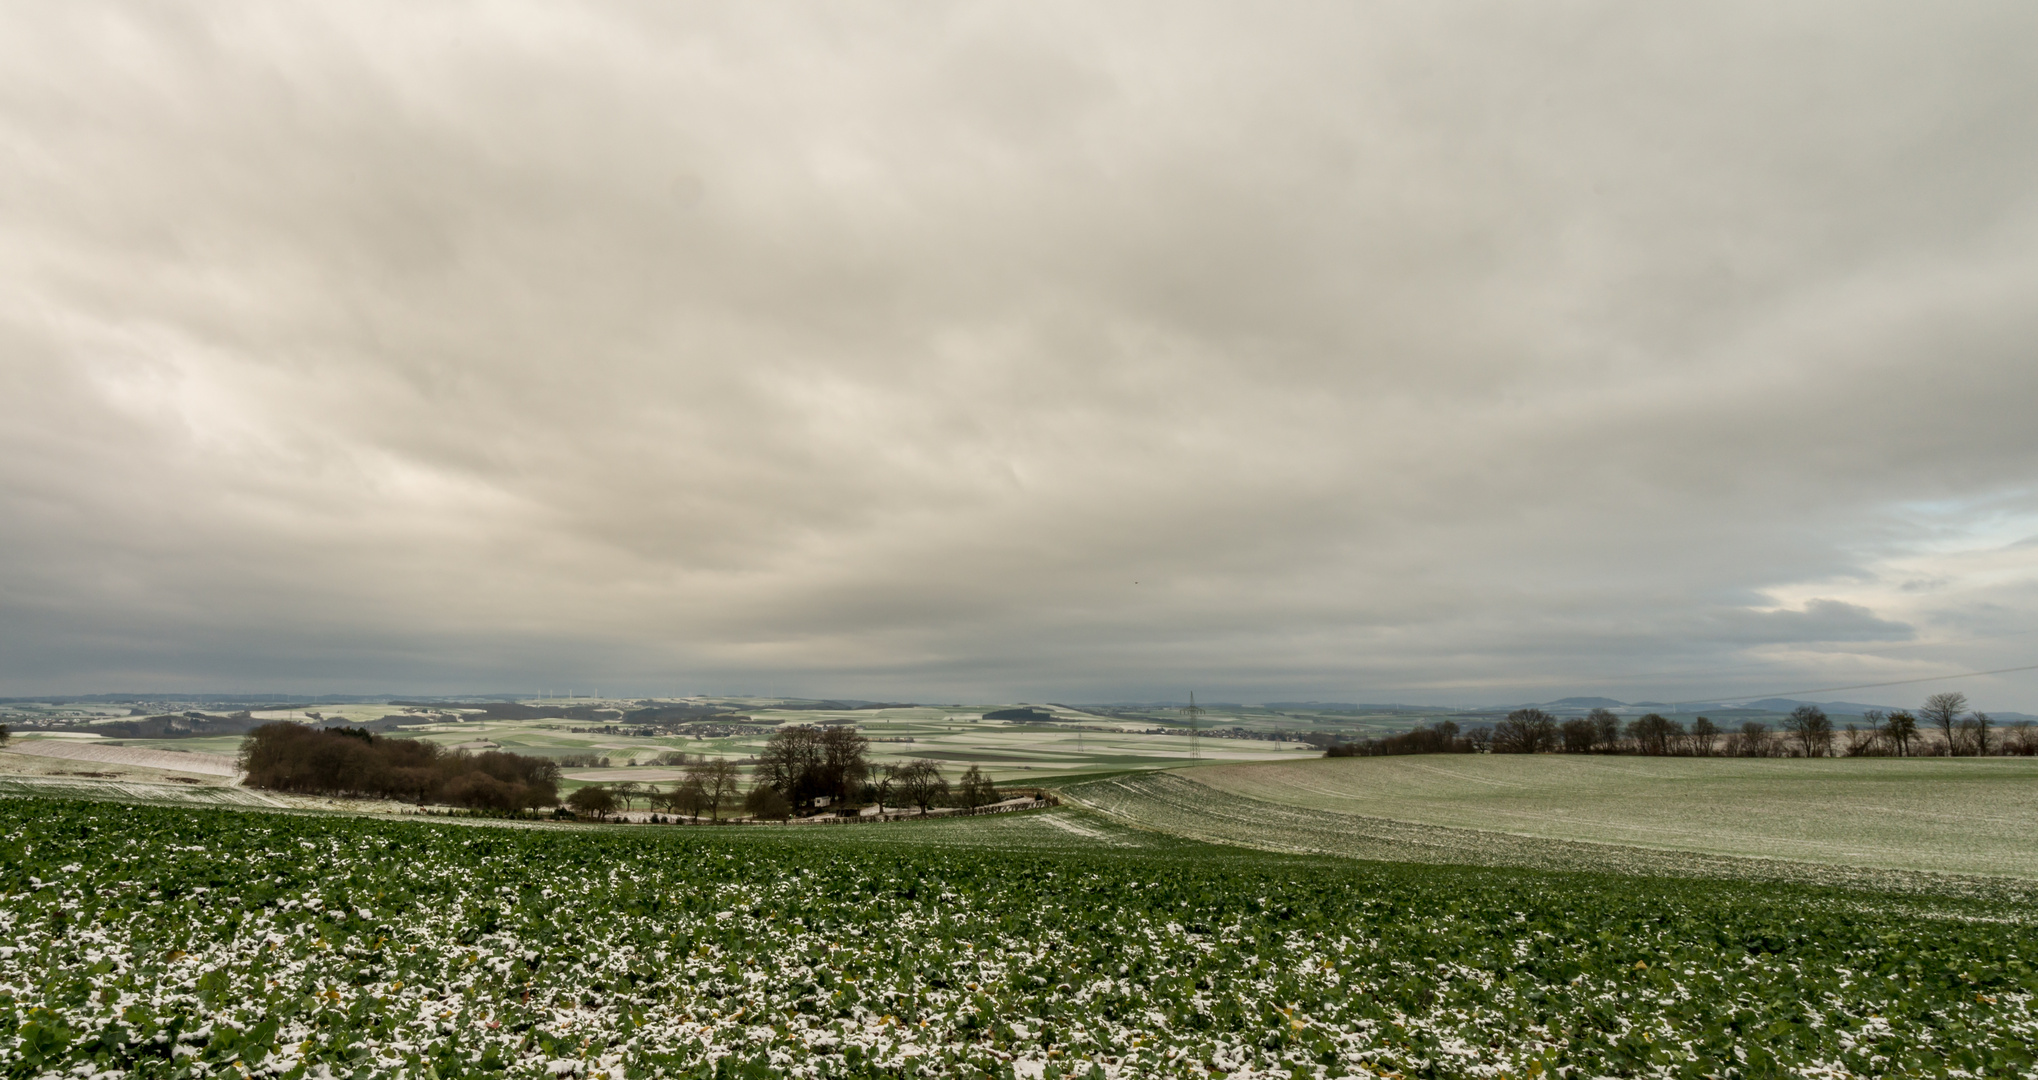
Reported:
(1874, 685)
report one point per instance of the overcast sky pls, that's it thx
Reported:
(1439, 352)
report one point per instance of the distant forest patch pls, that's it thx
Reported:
(349, 761)
(1020, 716)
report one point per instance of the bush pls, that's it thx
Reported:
(1441, 739)
(593, 800)
(976, 788)
(764, 801)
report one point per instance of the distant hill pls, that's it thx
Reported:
(840, 705)
(1163, 705)
(1020, 716)
(387, 725)
(254, 702)
(1856, 708)
(1784, 705)
(178, 726)
(1350, 707)
(603, 714)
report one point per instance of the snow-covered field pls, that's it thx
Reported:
(1171, 803)
(185, 761)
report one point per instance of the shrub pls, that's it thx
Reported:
(1441, 739)
(976, 789)
(764, 801)
(593, 800)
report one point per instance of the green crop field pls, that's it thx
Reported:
(1168, 804)
(199, 942)
(1956, 815)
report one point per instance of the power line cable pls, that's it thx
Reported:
(1761, 665)
(1669, 676)
(1870, 685)
(1820, 690)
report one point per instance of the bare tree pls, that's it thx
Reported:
(717, 779)
(1525, 731)
(1976, 727)
(1943, 711)
(1812, 729)
(976, 789)
(1580, 736)
(843, 763)
(1607, 728)
(2020, 740)
(1703, 736)
(1900, 728)
(805, 762)
(1755, 739)
(594, 800)
(791, 762)
(919, 782)
(1875, 722)
(1652, 733)
(687, 797)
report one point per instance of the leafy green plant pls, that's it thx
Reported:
(185, 942)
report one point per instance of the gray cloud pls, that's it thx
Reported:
(1459, 351)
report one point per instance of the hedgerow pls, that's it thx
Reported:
(191, 942)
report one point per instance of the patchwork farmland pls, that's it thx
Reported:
(608, 751)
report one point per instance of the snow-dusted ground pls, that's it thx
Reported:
(83, 750)
(1946, 815)
(1175, 804)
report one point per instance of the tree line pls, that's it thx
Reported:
(1942, 726)
(801, 768)
(1443, 738)
(285, 756)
